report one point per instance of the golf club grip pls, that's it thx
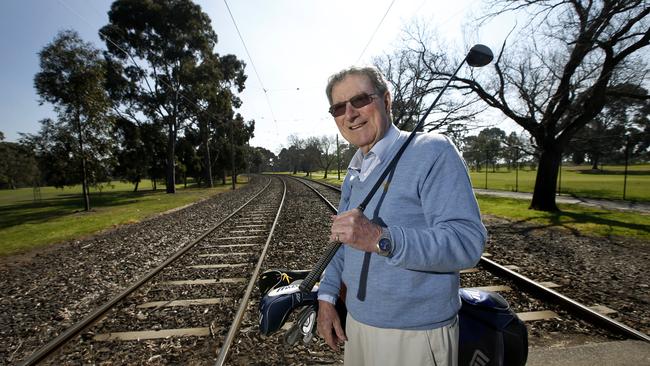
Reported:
(308, 283)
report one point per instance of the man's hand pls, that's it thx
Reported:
(329, 325)
(354, 229)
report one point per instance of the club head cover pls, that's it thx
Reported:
(279, 303)
(275, 278)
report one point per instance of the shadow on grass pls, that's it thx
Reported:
(62, 205)
(556, 220)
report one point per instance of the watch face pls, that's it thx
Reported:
(384, 245)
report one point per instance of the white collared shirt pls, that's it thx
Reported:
(362, 165)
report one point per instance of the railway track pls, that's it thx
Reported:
(190, 299)
(200, 306)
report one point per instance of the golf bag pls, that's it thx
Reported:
(490, 332)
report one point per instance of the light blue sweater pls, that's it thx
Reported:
(434, 220)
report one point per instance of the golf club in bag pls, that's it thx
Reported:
(490, 332)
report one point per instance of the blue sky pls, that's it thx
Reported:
(294, 45)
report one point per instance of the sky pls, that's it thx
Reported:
(293, 46)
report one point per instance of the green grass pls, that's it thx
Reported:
(575, 180)
(577, 218)
(58, 215)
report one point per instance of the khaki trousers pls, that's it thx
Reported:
(370, 346)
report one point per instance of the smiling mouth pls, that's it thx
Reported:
(357, 126)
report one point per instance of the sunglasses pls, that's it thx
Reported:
(357, 101)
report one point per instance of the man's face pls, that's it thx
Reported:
(363, 126)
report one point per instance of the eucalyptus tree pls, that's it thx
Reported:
(604, 137)
(153, 47)
(211, 88)
(72, 78)
(18, 166)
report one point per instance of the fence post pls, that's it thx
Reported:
(516, 169)
(487, 161)
(627, 154)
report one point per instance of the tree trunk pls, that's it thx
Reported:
(171, 172)
(207, 162)
(546, 181)
(84, 174)
(594, 162)
(136, 186)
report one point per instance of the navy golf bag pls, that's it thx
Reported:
(490, 332)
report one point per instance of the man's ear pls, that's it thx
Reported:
(387, 102)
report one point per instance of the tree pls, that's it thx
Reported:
(639, 133)
(72, 78)
(212, 84)
(327, 153)
(606, 134)
(515, 149)
(130, 152)
(167, 38)
(570, 58)
(18, 166)
(261, 160)
(310, 155)
(591, 48)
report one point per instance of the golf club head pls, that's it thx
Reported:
(479, 55)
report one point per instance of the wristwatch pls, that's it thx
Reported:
(385, 243)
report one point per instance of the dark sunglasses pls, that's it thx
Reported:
(357, 101)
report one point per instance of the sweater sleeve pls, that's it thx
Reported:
(454, 236)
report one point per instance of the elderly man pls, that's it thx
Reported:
(401, 257)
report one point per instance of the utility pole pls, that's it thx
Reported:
(232, 152)
(338, 158)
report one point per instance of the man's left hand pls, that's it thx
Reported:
(354, 229)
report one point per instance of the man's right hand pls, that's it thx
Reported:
(329, 325)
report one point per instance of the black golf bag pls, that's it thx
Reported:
(490, 332)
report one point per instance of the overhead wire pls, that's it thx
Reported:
(375, 32)
(250, 58)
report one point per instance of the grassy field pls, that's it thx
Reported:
(575, 180)
(585, 220)
(27, 223)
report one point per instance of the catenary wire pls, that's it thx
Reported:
(266, 96)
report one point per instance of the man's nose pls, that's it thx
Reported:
(350, 111)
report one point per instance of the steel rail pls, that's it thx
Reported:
(327, 202)
(565, 302)
(78, 327)
(239, 316)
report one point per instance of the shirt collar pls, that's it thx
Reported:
(379, 149)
